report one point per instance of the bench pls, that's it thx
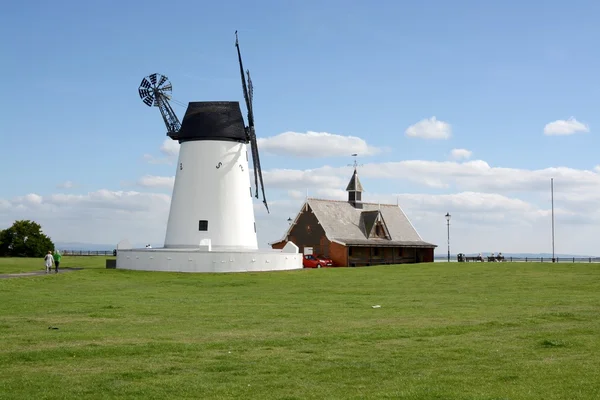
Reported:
(460, 257)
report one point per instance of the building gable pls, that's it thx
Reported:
(306, 228)
(380, 230)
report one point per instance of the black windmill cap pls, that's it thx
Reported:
(213, 120)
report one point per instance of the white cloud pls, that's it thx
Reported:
(477, 175)
(103, 216)
(152, 181)
(461, 154)
(430, 129)
(150, 159)
(302, 180)
(316, 145)
(169, 148)
(565, 127)
(296, 194)
(66, 185)
(30, 200)
(468, 176)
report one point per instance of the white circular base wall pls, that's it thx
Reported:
(188, 260)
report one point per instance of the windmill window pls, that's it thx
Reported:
(203, 225)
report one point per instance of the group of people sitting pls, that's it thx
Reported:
(491, 258)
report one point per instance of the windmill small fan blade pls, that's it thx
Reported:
(144, 92)
(145, 83)
(162, 80)
(148, 101)
(153, 79)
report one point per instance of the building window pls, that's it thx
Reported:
(400, 252)
(203, 225)
(375, 251)
(308, 229)
(350, 251)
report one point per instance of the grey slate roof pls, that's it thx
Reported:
(342, 223)
(354, 184)
(384, 243)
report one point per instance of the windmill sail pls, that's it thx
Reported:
(250, 132)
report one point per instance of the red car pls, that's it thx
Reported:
(312, 261)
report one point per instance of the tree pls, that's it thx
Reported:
(24, 239)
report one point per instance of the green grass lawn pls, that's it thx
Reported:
(18, 265)
(459, 331)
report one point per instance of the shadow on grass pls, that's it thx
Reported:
(38, 273)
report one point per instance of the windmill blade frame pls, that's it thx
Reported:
(248, 90)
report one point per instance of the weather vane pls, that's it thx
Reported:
(355, 163)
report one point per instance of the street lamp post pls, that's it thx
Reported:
(448, 216)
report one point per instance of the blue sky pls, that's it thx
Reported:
(498, 73)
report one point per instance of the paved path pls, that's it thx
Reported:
(37, 273)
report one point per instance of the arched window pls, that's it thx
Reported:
(379, 232)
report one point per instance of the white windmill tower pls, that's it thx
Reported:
(211, 218)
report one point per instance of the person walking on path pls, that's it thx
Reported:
(49, 260)
(57, 256)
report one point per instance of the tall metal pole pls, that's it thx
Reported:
(552, 199)
(448, 240)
